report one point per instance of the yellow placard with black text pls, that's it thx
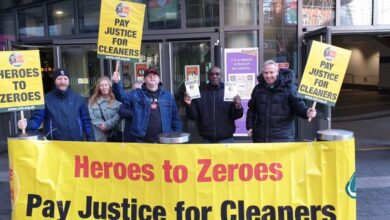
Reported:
(324, 73)
(89, 180)
(20, 81)
(120, 30)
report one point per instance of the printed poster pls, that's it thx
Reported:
(241, 67)
(192, 72)
(21, 81)
(324, 73)
(92, 180)
(120, 30)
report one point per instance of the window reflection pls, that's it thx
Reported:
(31, 22)
(89, 14)
(163, 14)
(239, 12)
(241, 39)
(280, 31)
(7, 29)
(6, 4)
(60, 18)
(356, 12)
(202, 13)
(384, 12)
(318, 12)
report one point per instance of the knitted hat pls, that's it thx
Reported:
(60, 72)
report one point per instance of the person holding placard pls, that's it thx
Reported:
(148, 111)
(65, 115)
(215, 117)
(273, 106)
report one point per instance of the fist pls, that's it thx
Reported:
(22, 124)
(115, 77)
(187, 99)
(237, 101)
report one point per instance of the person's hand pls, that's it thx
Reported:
(187, 99)
(22, 124)
(115, 77)
(103, 128)
(237, 101)
(311, 113)
(250, 132)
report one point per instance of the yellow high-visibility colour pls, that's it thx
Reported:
(86, 180)
(120, 30)
(324, 73)
(20, 81)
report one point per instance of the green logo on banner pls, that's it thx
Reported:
(350, 188)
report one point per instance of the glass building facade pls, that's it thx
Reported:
(176, 33)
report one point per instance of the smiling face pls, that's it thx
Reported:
(270, 74)
(104, 87)
(214, 76)
(152, 80)
(62, 83)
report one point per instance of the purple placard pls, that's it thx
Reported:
(241, 65)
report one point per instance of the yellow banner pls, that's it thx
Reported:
(20, 81)
(324, 73)
(85, 180)
(120, 30)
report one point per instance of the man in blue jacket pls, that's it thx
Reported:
(273, 106)
(148, 111)
(65, 115)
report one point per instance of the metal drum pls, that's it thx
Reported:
(34, 135)
(174, 138)
(334, 134)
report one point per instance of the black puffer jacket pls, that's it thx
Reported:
(214, 117)
(271, 111)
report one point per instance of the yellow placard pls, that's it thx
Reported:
(324, 73)
(120, 30)
(20, 81)
(85, 180)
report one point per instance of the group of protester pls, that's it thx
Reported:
(150, 110)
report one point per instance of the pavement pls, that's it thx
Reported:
(367, 114)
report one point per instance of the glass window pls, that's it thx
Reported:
(89, 13)
(241, 12)
(31, 22)
(356, 12)
(384, 12)
(241, 39)
(318, 12)
(280, 32)
(83, 65)
(202, 13)
(6, 4)
(60, 18)
(7, 29)
(163, 14)
(21, 2)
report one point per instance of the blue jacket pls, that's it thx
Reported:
(271, 111)
(136, 110)
(65, 117)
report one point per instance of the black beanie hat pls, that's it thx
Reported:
(60, 72)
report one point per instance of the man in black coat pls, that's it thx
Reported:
(273, 106)
(214, 117)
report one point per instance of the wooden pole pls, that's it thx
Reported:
(22, 118)
(314, 107)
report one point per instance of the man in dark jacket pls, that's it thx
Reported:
(65, 115)
(273, 105)
(214, 117)
(148, 111)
